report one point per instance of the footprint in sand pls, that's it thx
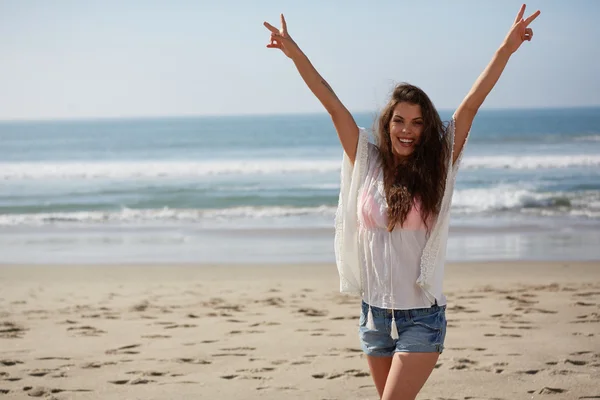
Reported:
(40, 391)
(235, 376)
(11, 330)
(347, 317)
(458, 309)
(256, 370)
(124, 350)
(587, 294)
(529, 371)
(231, 307)
(95, 365)
(229, 355)
(41, 372)
(517, 327)
(311, 312)
(9, 363)
(236, 332)
(587, 318)
(576, 362)
(563, 372)
(156, 336)
(147, 373)
(349, 373)
(175, 326)
(85, 330)
(463, 363)
(163, 323)
(195, 361)
(272, 301)
(584, 304)
(300, 362)
(549, 390)
(68, 322)
(513, 335)
(238, 348)
(269, 323)
(137, 381)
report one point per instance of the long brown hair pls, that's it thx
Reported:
(422, 175)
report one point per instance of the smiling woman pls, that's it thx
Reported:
(393, 214)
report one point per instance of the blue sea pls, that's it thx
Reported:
(260, 189)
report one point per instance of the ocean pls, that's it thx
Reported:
(261, 189)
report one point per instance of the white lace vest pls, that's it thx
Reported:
(347, 252)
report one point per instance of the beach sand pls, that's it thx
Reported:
(515, 331)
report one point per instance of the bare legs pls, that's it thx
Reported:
(402, 376)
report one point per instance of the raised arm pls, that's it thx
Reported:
(342, 119)
(519, 32)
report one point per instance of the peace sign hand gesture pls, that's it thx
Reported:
(280, 39)
(520, 31)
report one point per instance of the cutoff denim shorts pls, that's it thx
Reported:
(420, 330)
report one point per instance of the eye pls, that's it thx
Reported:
(419, 123)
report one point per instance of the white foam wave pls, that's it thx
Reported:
(161, 215)
(520, 198)
(531, 162)
(161, 169)
(122, 170)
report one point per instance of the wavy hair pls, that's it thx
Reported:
(421, 175)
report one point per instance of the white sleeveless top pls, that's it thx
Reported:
(391, 260)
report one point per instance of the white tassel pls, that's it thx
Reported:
(370, 322)
(394, 332)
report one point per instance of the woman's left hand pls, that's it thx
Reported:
(520, 31)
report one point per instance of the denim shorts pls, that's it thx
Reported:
(420, 330)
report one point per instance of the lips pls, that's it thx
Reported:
(405, 142)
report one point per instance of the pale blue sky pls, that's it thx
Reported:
(79, 59)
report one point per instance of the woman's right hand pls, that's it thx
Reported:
(280, 39)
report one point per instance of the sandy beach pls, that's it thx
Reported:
(515, 331)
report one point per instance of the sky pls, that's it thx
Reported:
(109, 59)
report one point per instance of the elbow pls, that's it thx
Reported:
(471, 106)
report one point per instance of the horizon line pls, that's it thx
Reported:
(262, 114)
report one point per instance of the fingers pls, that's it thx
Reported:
(528, 34)
(520, 14)
(532, 17)
(283, 25)
(276, 42)
(271, 27)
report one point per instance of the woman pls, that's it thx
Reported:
(393, 213)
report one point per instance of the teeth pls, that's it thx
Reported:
(406, 140)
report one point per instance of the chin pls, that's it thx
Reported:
(403, 152)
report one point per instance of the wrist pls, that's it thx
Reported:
(504, 50)
(295, 52)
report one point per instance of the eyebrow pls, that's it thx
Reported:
(400, 116)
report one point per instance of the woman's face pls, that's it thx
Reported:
(406, 127)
